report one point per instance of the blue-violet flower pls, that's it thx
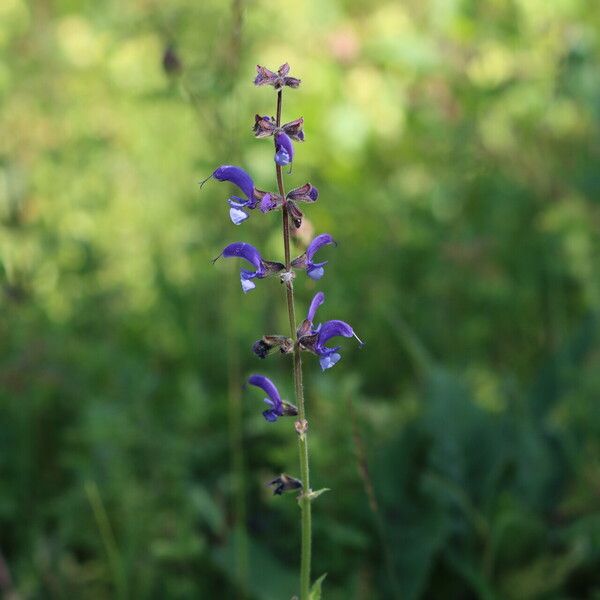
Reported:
(278, 407)
(264, 268)
(314, 339)
(304, 261)
(242, 180)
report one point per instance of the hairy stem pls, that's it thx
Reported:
(305, 507)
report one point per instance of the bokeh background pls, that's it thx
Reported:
(456, 147)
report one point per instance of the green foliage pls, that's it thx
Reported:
(455, 147)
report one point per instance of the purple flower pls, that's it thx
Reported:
(314, 339)
(284, 149)
(328, 357)
(304, 261)
(278, 80)
(278, 407)
(242, 180)
(264, 268)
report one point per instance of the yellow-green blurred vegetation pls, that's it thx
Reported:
(456, 147)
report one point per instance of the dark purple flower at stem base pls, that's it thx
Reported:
(278, 80)
(242, 180)
(278, 407)
(284, 149)
(264, 268)
(314, 339)
(305, 261)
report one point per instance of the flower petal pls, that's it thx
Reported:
(247, 285)
(317, 300)
(245, 251)
(237, 176)
(321, 240)
(329, 360)
(237, 215)
(331, 329)
(316, 272)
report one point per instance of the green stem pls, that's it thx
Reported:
(305, 507)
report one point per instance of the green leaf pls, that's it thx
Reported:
(315, 591)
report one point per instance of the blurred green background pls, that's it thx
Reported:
(456, 147)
